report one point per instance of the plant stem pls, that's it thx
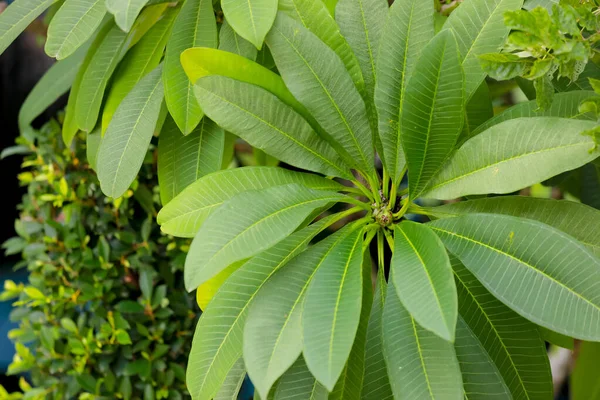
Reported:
(415, 209)
(395, 186)
(373, 183)
(393, 196)
(364, 190)
(357, 202)
(353, 190)
(402, 211)
(386, 186)
(389, 238)
(380, 251)
(342, 215)
(370, 235)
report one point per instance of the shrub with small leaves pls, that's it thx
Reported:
(104, 315)
(554, 42)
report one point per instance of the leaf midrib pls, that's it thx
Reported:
(337, 304)
(430, 123)
(519, 262)
(213, 205)
(269, 216)
(289, 137)
(13, 26)
(483, 26)
(404, 81)
(89, 10)
(433, 288)
(421, 359)
(432, 188)
(331, 100)
(367, 41)
(188, 96)
(493, 327)
(133, 129)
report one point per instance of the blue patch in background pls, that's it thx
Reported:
(7, 348)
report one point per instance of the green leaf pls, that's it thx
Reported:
(420, 364)
(125, 11)
(55, 82)
(122, 337)
(547, 4)
(503, 66)
(87, 382)
(236, 231)
(123, 148)
(432, 117)
(47, 338)
(147, 19)
(138, 62)
(479, 28)
(516, 260)
(582, 83)
(479, 109)
(17, 16)
(182, 160)
(408, 28)
(332, 307)
(201, 62)
(206, 291)
(330, 4)
(297, 383)
(265, 122)
(512, 155)
(585, 382)
(217, 343)
(376, 384)
(73, 24)
(318, 79)
(95, 78)
(423, 278)
(544, 92)
(184, 215)
(315, 16)
(350, 384)
(70, 126)
(490, 333)
(195, 26)
(233, 382)
(273, 332)
(68, 324)
(564, 105)
(234, 43)
(93, 140)
(578, 220)
(360, 23)
(251, 19)
(481, 378)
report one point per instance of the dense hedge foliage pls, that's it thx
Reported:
(104, 315)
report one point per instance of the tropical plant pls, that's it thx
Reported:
(103, 315)
(462, 308)
(470, 295)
